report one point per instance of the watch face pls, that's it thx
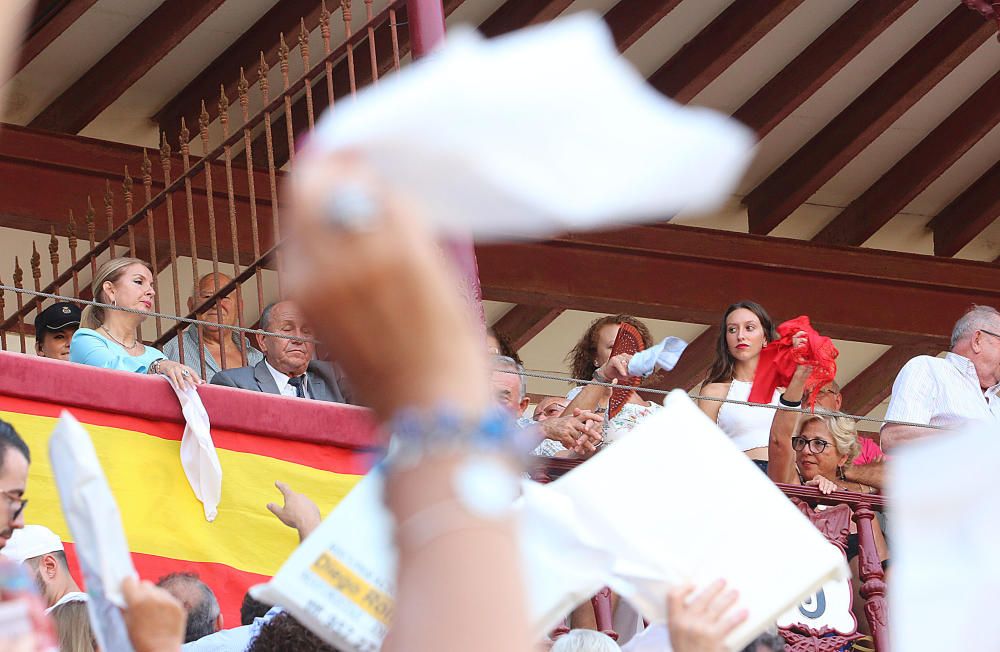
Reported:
(486, 486)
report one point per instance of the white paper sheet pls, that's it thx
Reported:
(93, 518)
(945, 519)
(673, 501)
(542, 131)
(198, 455)
(678, 503)
(340, 581)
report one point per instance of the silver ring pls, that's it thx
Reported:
(185, 373)
(351, 207)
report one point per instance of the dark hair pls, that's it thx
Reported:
(507, 349)
(201, 615)
(251, 609)
(581, 358)
(769, 641)
(285, 634)
(10, 439)
(722, 369)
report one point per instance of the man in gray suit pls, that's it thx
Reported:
(288, 367)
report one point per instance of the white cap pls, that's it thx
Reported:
(31, 541)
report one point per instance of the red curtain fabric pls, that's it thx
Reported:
(779, 359)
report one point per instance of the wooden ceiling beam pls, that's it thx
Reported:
(702, 59)
(125, 64)
(874, 384)
(850, 293)
(818, 63)
(927, 161)
(515, 14)
(968, 214)
(49, 27)
(630, 19)
(868, 116)
(523, 322)
(285, 17)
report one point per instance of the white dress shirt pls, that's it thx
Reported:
(942, 392)
(284, 387)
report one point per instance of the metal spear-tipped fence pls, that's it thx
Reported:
(228, 220)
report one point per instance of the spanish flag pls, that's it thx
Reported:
(164, 522)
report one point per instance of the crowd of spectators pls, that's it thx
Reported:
(815, 445)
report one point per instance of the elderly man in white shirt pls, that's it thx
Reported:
(947, 392)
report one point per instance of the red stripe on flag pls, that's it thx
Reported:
(229, 584)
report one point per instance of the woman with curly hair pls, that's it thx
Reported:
(593, 350)
(591, 359)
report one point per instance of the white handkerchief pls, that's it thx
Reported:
(198, 455)
(663, 356)
(93, 518)
(542, 131)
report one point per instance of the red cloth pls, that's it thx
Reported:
(779, 359)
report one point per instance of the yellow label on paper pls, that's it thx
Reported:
(373, 601)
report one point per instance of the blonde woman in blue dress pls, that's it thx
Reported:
(110, 338)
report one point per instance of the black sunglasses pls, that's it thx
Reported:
(816, 446)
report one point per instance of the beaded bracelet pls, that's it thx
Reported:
(484, 486)
(417, 434)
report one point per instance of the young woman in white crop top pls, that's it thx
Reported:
(745, 330)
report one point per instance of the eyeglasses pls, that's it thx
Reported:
(816, 446)
(14, 499)
(983, 330)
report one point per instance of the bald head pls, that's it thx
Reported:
(289, 356)
(208, 285)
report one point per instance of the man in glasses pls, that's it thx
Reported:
(948, 392)
(14, 460)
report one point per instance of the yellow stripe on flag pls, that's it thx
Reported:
(159, 510)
